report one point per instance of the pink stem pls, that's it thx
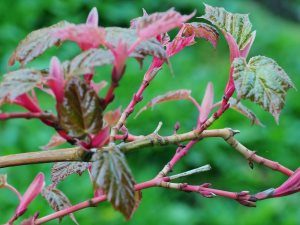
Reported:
(8, 186)
(27, 115)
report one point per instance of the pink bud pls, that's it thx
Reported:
(56, 79)
(93, 17)
(32, 191)
(207, 103)
(292, 185)
(233, 47)
(101, 138)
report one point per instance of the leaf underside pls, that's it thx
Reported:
(57, 200)
(111, 173)
(36, 43)
(262, 81)
(19, 82)
(61, 170)
(238, 25)
(181, 94)
(80, 113)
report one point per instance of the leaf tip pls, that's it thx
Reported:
(93, 17)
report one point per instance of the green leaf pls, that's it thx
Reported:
(242, 109)
(129, 36)
(57, 200)
(19, 82)
(111, 173)
(61, 170)
(80, 113)
(86, 61)
(36, 43)
(238, 25)
(262, 81)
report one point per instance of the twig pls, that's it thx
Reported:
(190, 172)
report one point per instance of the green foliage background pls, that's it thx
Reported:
(277, 37)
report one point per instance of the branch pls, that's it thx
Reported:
(28, 115)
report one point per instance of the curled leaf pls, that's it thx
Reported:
(157, 23)
(201, 30)
(262, 81)
(181, 94)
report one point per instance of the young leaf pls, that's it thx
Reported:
(101, 138)
(55, 141)
(201, 30)
(56, 79)
(93, 17)
(87, 36)
(238, 25)
(112, 174)
(57, 200)
(128, 36)
(36, 43)
(3, 178)
(262, 81)
(19, 82)
(80, 113)
(207, 103)
(32, 191)
(181, 94)
(62, 170)
(86, 61)
(158, 23)
(112, 117)
(239, 107)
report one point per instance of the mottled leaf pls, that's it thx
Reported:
(57, 200)
(55, 141)
(80, 113)
(3, 178)
(201, 30)
(181, 94)
(150, 26)
(238, 25)
(86, 61)
(19, 82)
(262, 81)
(239, 107)
(149, 47)
(36, 43)
(61, 170)
(112, 174)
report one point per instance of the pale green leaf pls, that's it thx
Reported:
(238, 25)
(262, 81)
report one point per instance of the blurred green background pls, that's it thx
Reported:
(278, 37)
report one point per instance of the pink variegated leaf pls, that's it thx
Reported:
(179, 43)
(207, 103)
(134, 22)
(32, 191)
(56, 140)
(201, 30)
(181, 94)
(101, 138)
(245, 51)
(98, 86)
(87, 36)
(112, 117)
(36, 43)
(233, 47)
(158, 23)
(93, 17)
(56, 79)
